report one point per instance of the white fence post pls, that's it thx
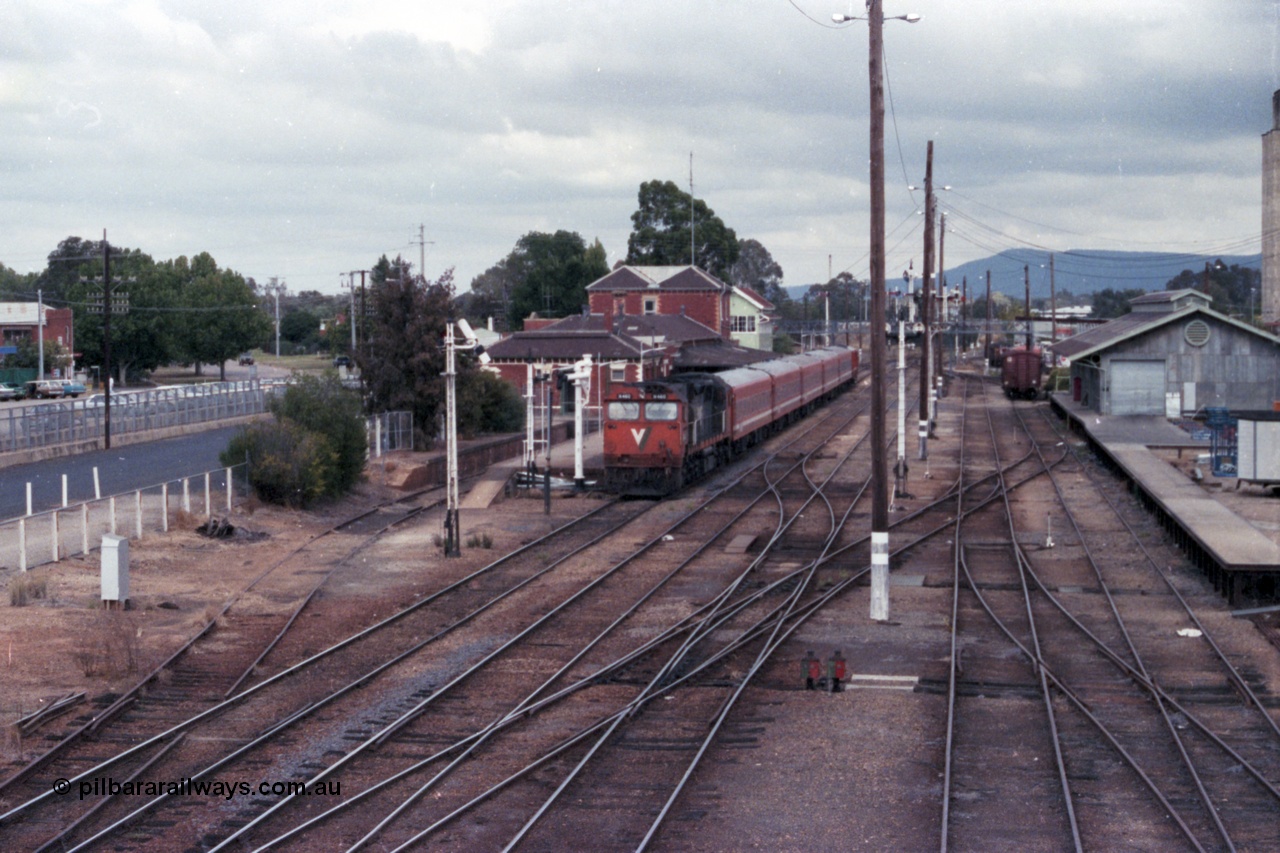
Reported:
(28, 497)
(208, 504)
(137, 502)
(64, 491)
(97, 486)
(186, 494)
(164, 507)
(84, 528)
(228, 490)
(112, 502)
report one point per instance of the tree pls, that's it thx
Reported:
(144, 336)
(1232, 287)
(219, 310)
(300, 326)
(551, 273)
(756, 269)
(661, 231)
(403, 362)
(1109, 303)
(490, 294)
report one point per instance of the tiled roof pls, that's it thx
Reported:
(564, 345)
(718, 356)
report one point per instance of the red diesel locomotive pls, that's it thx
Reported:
(663, 434)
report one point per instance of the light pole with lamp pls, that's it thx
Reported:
(879, 463)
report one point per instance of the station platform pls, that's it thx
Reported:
(1241, 560)
(494, 480)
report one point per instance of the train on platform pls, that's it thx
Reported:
(1022, 372)
(661, 435)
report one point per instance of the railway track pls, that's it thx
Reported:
(587, 690)
(1145, 728)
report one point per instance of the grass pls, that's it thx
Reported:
(27, 588)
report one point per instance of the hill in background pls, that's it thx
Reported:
(1079, 271)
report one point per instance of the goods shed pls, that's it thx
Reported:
(1173, 355)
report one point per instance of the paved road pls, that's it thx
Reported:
(121, 469)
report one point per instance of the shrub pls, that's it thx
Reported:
(315, 448)
(321, 405)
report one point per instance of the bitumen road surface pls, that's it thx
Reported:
(121, 469)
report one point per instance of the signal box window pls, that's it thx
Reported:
(618, 373)
(742, 324)
(651, 306)
(624, 411)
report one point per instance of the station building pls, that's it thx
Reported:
(1172, 355)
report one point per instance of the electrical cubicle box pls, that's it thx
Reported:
(1258, 447)
(115, 571)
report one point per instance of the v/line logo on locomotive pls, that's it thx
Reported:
(641, 436)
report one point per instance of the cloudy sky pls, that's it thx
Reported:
(302, 140)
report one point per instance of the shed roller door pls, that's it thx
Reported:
(1137, 387)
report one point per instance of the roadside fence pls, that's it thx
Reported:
(63, 422)
(77, 529)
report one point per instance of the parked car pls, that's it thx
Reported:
(342, 361)
(12, 392)
(246, 358)
(51, 388)
(42, 389)
(70, 388)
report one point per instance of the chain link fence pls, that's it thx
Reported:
(52, 535)
(390, 431)
(64, 422)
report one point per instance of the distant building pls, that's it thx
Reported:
(1172, 355)
(18, 323)
(737, 314)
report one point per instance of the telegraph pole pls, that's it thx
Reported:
(879, 466)
(1053, 306)
(40, 332)
(986, 350)
(926, 303)
(943, 315)
(1026, 280)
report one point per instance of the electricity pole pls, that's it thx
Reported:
(926, 304)
(879, 466)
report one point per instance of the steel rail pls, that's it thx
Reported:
(1232, 671)
(408, 716)
(953, 675)
(302, 665)
(1059, 758)
(732, 646)
(1025, 567)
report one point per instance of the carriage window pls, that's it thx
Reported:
(624, 411)
(660, 411)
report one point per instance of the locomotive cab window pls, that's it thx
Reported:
(623, 411)
(660, 411)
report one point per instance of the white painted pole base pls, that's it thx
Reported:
(880, 575)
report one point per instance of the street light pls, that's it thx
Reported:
(910, 17)
(879, 467)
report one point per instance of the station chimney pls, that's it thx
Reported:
(1270, 298)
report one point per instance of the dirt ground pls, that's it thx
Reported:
(62, 641)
